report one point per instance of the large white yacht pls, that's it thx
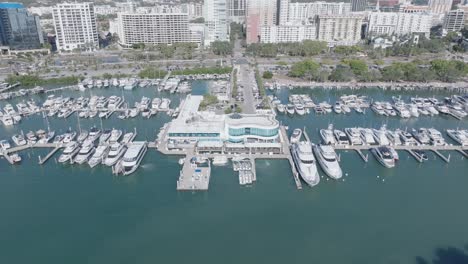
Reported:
(460, 136)
(305, 162)
(327, 135)
(115, 153)
(115, 136)
(354, 135)
(133, 157)
(98, 156)
(422, 135)
(380, 136)
(367, 136)
(327, 159)
(341, 137)
(69, 152)
(436, 137)
(384, 156)
(85, 152)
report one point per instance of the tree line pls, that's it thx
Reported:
(358, 70)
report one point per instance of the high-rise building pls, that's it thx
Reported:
(358, 5)
(236, 10)
(339, 29)
(306, 11)
(288, 33)
(75, 26)
(440, 6)
(283, 12)
(397, 23)
(259, 13)
(216, 21)
(19, 29)
(153, 28)
(454, 20)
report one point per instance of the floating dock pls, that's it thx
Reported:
(193, 177)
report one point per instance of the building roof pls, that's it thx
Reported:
(252, 120)
(10, 5)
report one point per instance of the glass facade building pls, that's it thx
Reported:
(19, 29)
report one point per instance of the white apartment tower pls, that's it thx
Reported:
(339, 29)
(153, 28)
(75, 26)
(236, 10)
(440, 6)
(454, 20)
(259, 13)
(216, 21)
(398, 23)
(306, 11)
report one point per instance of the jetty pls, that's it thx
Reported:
(49, 155)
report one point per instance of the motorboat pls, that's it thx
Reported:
(165, 104)
(19, 140)
(305, 162)
(82, 136)
(422, 135)
(460, 136)
(367, 136)
(380, 136)
(128, 137)
(4, 144)
(327, 159)
(104, 137)
(408, 139)
(290, 109)
(299, 108)
(31, 137)
(296, 136)
(394, 137)
(384, 156)
(436, 138)
(71, 149)
(327, 135)
(341, 137)
(7, 120)
(354, 135)
(69, 136)
(115, 136)
(345, 108)
(45, 137)
(281, 108)
(115, 153)
(337, 108)
(98, 156)
(133, 112)
(94, 134)
(15, 157)
(84, 154)
(413, 109)
(155, 103)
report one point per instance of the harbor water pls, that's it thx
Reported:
(413, 213)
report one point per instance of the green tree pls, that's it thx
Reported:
(342, 73)
(267, 75)
(221, 47)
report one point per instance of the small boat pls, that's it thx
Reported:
(104, 137)
(115, 153)
(281, 108)
(69, 152)
(296, 136)
(299, 108)
(31, 137)
(384, 156)
(290, 109)
(19, 140)
(128, 137)
(337, 108)
(98, 156)
(82, 136)
(327, 135)
(341, 137)
(15, 157)
(85, 152)
(4, 144)
(115, 135)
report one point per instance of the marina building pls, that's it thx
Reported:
(19, 29)
(454, 20)
(339, 29)
(216, 21)
(192, 126)
(397, 23)
(75, 26)
(153, 28)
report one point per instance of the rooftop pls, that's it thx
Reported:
(7, 5)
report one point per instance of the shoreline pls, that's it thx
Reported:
(461, 87)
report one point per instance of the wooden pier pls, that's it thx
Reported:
(49, 155)
(418, 158)
(365, 158)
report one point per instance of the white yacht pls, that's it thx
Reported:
(341, 137)
(130, 84)
(82, 136)
(327, 159)
(408, 139)
(281, 108)
(98, 156)
(296, 136)
(85, 152)
(220, 160)
(128, 137)
(384, 156)
(94, 134)
(115, 153)
(380, 136)
(290, 109)
(299, 108)
(436, 137)
(337, 108)
(305, 162)
(31, 137)
(327, 135)
(422, 135)
(394, 137)
(4, 144)
(354, 135)
(460, 136)
(19, 140)
(7, 120)
(115, 136)
(133, 157)
(114, 102)
(165, 104)
(367, 136)
(104, 137)
(69, 152)
(155, 103)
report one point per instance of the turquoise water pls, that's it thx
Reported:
(413, 213)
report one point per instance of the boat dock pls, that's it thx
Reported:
(49, 155)
(193, 177)
(286, 144)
